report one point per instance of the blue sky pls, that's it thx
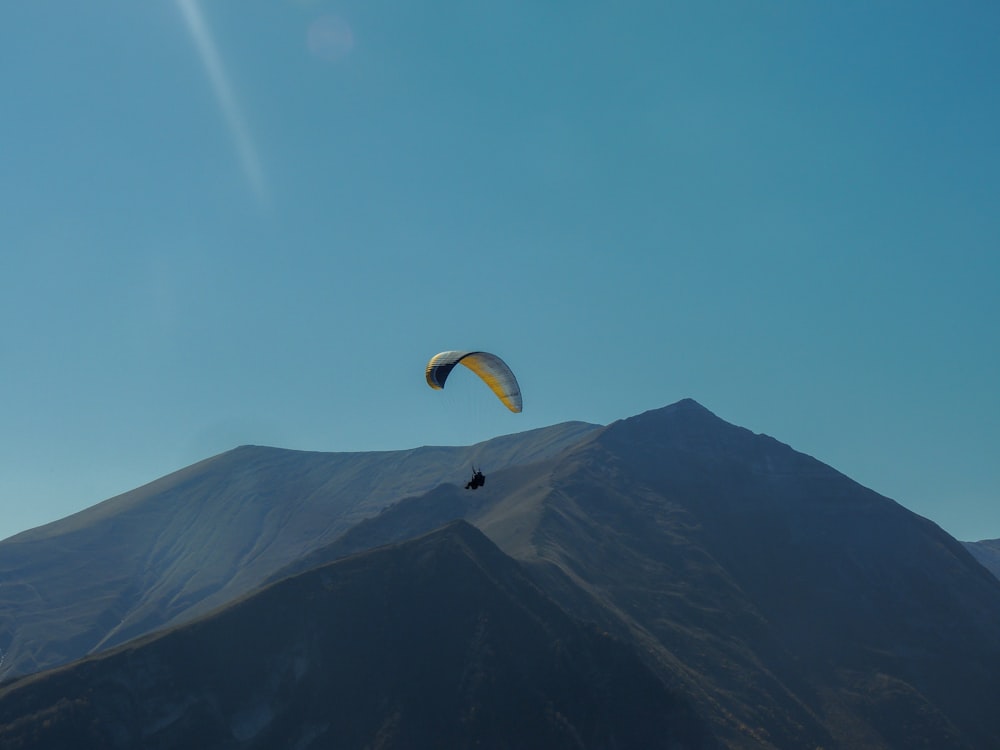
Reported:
(252, 221)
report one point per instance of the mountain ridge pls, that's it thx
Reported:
(187, 542)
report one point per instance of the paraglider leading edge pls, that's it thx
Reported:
(489, 367)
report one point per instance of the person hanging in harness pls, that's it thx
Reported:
(477, 481)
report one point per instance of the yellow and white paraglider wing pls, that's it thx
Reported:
(489, 367)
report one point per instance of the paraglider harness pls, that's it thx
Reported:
(477, 481)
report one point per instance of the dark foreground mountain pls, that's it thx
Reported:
(988, 553)
(207, 534)
(442, 642)
(798, 608)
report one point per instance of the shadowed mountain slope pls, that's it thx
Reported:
(815, 611)
(207, 534)
(798, 608)
(439, 642)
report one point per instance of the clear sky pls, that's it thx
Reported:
(253, 221)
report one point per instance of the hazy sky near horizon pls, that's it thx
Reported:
(252, 221)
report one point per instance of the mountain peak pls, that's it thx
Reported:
(685, 419)
(685, 409)
(684, 403)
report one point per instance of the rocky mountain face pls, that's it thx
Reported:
(198, 538)
(787, 605)
(442, 641)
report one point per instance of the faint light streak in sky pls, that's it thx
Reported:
(225, 96)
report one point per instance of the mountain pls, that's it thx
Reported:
(812, 611)
(791, 606)
(988, 554)
(797, 608)
(207, 534)
(442, 641)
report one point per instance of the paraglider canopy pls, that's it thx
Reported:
(489, 367)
